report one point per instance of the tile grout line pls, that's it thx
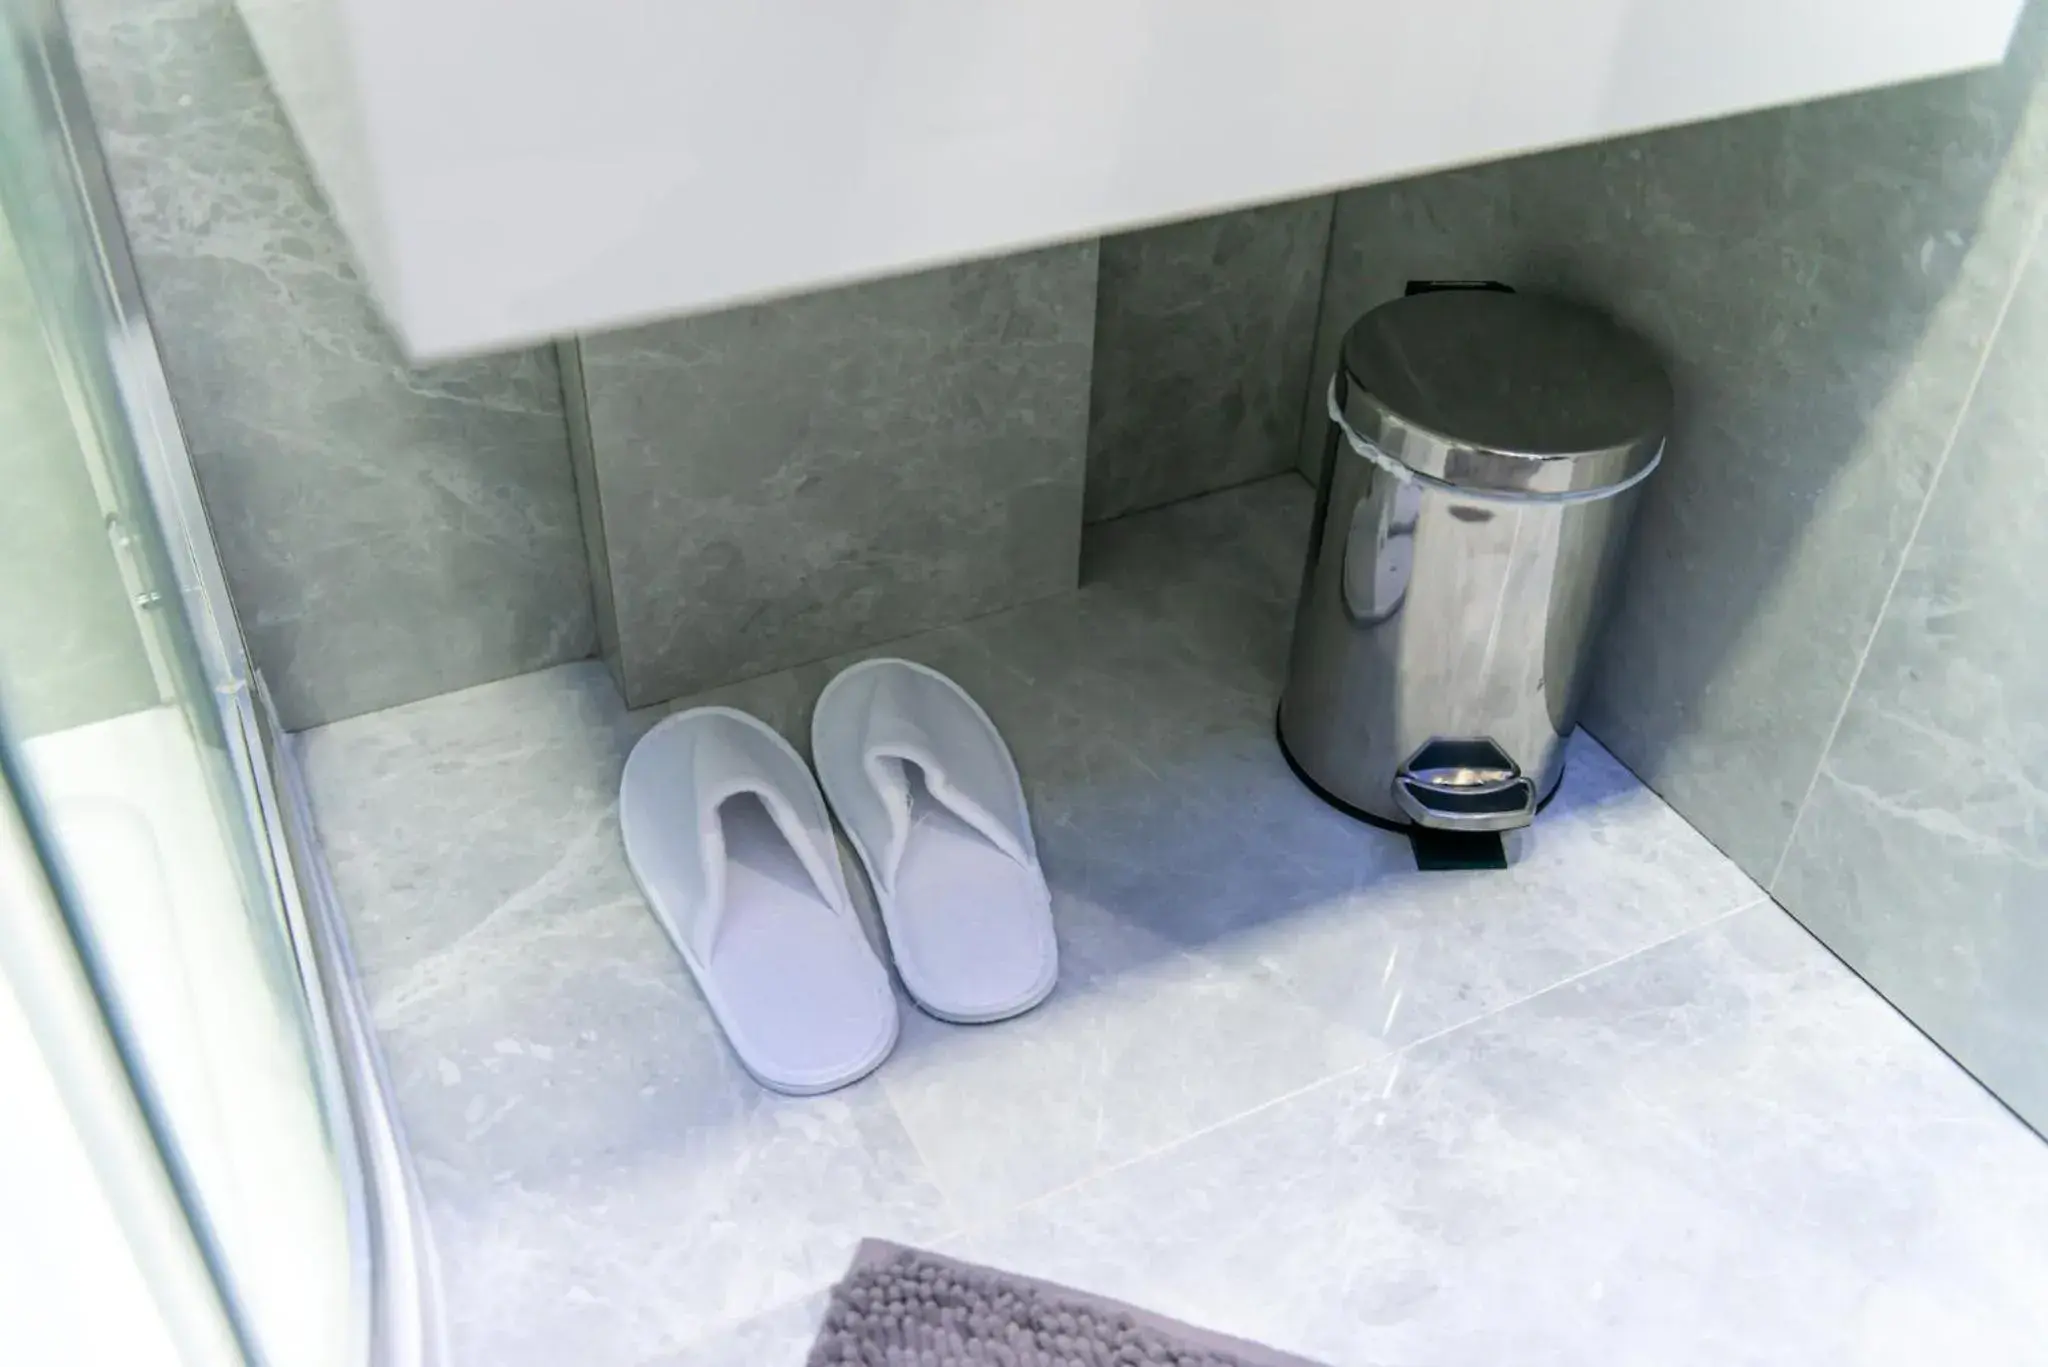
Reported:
(955, 1224)
(965, 1227)
(1305, 405)
(1761, 899)
(956, 1215)
(2012, 289)
(854, 654)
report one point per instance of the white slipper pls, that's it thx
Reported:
(729, 839)
(924, 785)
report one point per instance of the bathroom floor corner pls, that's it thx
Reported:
(1610, 1105)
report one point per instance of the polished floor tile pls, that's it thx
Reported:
(1122, 1060)
(1724, 1149)
(1358, 1072)
(781, 1337)
(1405, 955)
(605, 1182)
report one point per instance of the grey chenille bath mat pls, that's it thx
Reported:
(899, 1307)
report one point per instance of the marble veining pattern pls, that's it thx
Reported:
(786, 481)
(1823, 280)
(1922, 856)
(605, 1182)
(389, 532)
(1722, 1149)
(1202, 338)
(1285, 1087)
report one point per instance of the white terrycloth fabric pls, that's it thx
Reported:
(930, 796)
(728, 836)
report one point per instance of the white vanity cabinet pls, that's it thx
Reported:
(514, 169)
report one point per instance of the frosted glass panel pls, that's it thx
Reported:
(115, 735)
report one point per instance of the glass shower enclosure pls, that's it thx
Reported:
(203, 1135)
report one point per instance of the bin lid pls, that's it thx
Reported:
(1514, 392)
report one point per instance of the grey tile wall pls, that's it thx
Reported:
(751, 490)
(1203, 335)
(388, 532)
(1823, 280)
(787, 481)
(1922, 856)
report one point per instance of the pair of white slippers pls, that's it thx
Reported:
(730, 839)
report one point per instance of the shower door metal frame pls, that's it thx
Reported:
(398, 1276)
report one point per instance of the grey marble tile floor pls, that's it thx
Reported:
(1609, 1106)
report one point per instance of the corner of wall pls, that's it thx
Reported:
(589, 504)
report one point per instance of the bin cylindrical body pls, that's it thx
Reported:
(1483, 459)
